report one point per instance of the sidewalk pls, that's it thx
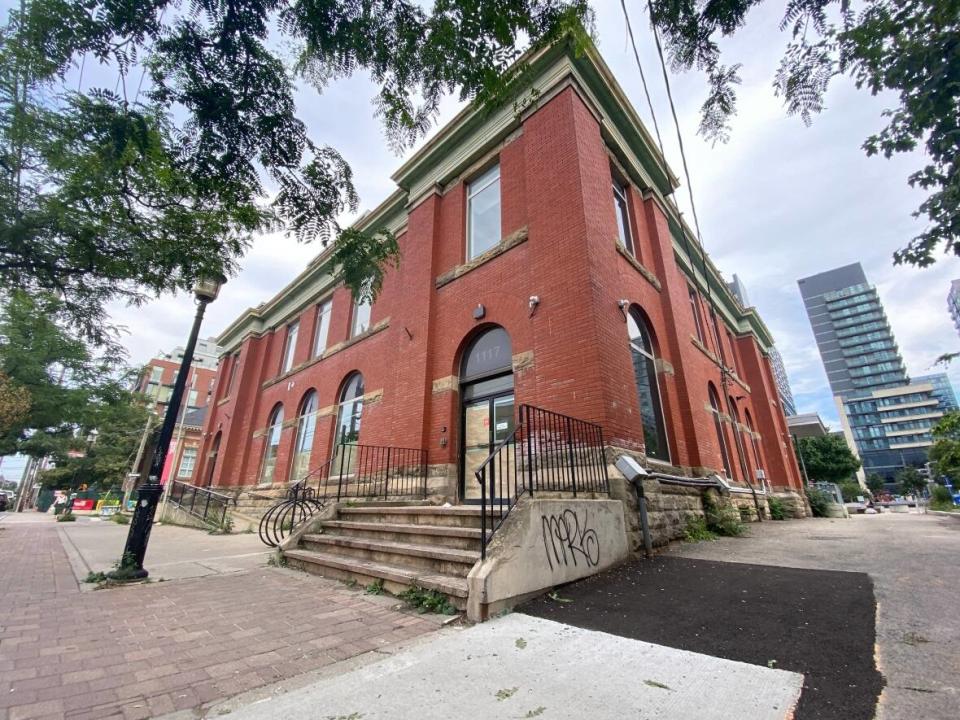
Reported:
(150, 649)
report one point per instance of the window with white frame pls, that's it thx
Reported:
(483, 213)
(361, 317)
(323, 328)
(623, 216)
(187, 462)
(290, 346)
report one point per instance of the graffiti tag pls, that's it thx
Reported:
(565, 541)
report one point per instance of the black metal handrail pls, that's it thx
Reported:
(545, 452)
(203, 503)
(354, 471)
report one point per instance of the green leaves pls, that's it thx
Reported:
(117, 193)
(827, 458)
(907, 47)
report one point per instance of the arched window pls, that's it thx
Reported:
(738, 440)
(350, 410)
(718, 426)
(274, 427)
(648, 388)
(306, 425)
(753, 438)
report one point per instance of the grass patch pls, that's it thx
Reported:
(374, 588)
(424, 601)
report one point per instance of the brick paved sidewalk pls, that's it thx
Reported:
(150, 649)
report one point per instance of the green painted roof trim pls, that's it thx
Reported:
(474, 132)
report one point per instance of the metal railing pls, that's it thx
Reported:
(353, 472)
(545, 452)
(202, 503)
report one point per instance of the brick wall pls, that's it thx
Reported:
(557, 207)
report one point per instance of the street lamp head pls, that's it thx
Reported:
(207, 287)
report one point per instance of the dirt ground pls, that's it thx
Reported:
(802, 593)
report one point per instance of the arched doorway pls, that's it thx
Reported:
(487, 402)
(349, 413)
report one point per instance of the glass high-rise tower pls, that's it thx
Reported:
(886, 419)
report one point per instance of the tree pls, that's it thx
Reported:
(14, 404)
(945, 451)
(911, 482)
(851, 490)
(140, 187)
(67, 386)
(907, 47)
(875, 482)
(827, 458)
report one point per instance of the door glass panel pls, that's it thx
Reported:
(476, 444)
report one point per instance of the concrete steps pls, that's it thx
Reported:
(399, 545)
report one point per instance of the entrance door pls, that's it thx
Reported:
(486, 391)
(486, 422)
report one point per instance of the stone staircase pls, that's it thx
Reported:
(402, 545)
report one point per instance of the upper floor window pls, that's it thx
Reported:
(234, 364)
(323, 328)
(361, 317)
(623, 216)
(695, 308)
(733, 353)
(716, 336)
(290, 346)
(483, 213)
(274, 429)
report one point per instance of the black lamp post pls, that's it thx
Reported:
(131, 564)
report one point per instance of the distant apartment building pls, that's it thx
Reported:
(739, 291)
(885, 418)
(156, 383)
(953, 303)
(806, 425)
(942, 390)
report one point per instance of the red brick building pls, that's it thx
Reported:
(156, 383)
(543, 262)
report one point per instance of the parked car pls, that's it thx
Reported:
(4, 501)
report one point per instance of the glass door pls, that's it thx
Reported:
(486, 422)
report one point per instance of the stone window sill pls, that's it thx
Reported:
(638, 266)
(510, 241)
(332, 350)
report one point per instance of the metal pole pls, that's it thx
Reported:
(131, 563)
(177, 448)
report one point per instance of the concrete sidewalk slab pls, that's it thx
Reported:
(523, 667)
(175, 553)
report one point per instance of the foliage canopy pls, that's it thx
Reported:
(827, 458)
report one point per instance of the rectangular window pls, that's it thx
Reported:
(322, 329)
(623, 217)
(716, 336)
(695, 308)
(483, 213)
(192, 401)
(289, 346)
(187, 462)
(361, 317)
(234, 365)
(733, 353)
(155, 374)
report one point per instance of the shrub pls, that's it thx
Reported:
(697, 530)
(120, 519)
(67, 516)
(777, 509)
(851, 490)
(722, 520)
(940, 498)
(819, 500)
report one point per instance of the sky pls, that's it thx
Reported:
(778, 202)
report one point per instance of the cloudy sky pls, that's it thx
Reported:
(778, 202)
